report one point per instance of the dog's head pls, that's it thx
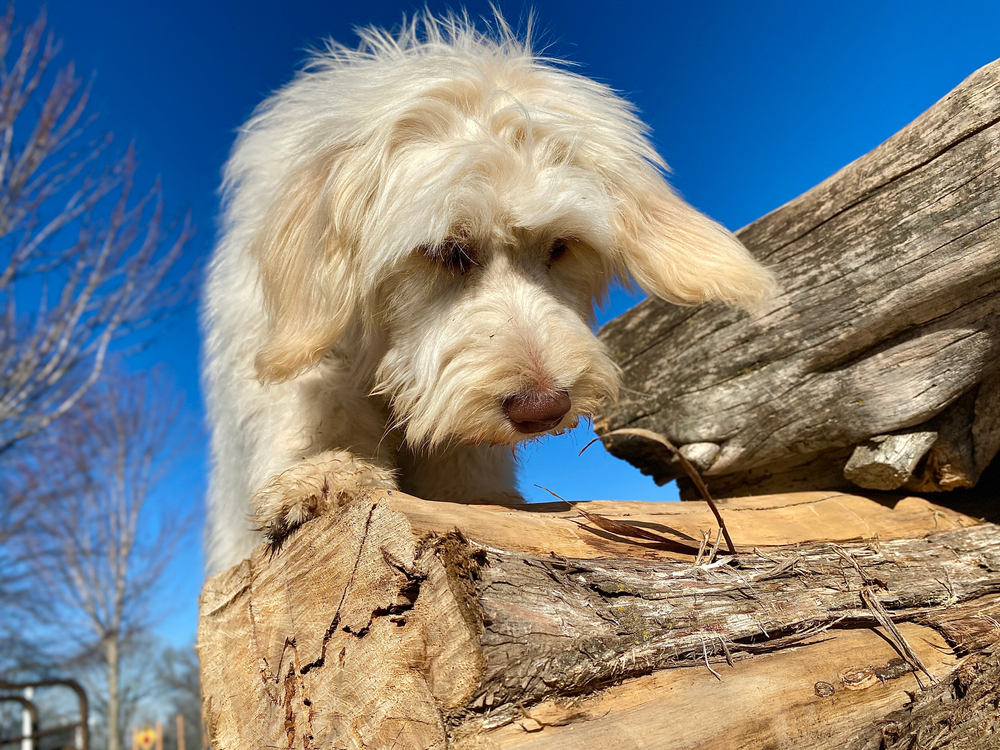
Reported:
(460, 206)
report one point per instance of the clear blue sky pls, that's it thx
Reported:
(751, 103)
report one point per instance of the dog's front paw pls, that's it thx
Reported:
(312, 487)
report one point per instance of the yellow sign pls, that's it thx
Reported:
(146, 738)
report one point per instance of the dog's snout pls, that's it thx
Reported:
(532, 412)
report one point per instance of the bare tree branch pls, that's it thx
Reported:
(88, 259)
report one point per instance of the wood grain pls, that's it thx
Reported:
(688, 708)
(886, 462)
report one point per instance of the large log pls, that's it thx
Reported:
(888, 323)
(400, 623)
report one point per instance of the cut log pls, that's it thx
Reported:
(400, 623)
(889, 314)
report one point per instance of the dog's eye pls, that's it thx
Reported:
(453, 255)
(558, 249)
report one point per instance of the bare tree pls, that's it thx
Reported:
(83, 261)
(94, 546)
(14, 516)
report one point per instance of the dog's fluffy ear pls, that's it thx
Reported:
(678, 254)
(306, 278)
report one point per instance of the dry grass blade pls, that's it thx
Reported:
(787, 640)
(621, 528)
(868, 597)
(783, 567)
(882, 616)
(688, 467)
(866, 579)
(702, 547)
(715, 547)
(704, 653)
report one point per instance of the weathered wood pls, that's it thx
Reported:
(396, 622)
(963, 711)
(886, 462)
(810, 698)
(967, 440)
(889, 314)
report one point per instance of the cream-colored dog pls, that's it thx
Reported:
(415, 236)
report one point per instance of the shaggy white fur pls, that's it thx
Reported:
(415, 236)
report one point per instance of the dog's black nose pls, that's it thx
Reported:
(532, 412)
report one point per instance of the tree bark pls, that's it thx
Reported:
(888, 322)
(111, 656)
(396, 622)
(961, 711)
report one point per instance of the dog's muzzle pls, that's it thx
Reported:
(532, 413)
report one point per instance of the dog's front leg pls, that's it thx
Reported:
(335, 446)
(462, 474)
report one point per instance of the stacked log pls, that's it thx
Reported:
(876, 367)
(397, 622)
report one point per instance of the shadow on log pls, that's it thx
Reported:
(887, 327)
(397, 622)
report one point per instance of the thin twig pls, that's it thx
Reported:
(882, 616)
(782, 567)
(885, 620)
(715, 547)
(702, 547)
(725, 650)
